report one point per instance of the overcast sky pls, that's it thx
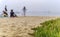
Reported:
(34, 7)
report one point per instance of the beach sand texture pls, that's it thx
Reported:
(21, 26)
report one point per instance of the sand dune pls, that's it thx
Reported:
(20, 26)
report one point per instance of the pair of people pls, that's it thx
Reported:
(12, 14)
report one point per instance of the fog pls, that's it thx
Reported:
(34, 7)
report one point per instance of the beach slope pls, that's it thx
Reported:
(21, 26)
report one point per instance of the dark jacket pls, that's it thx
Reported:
(11, 14)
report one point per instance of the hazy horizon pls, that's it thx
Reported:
(34, 7)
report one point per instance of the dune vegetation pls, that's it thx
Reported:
(49, 28)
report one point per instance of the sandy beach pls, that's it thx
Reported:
(21, 26)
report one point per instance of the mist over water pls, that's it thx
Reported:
(34, 7)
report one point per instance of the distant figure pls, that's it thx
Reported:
(6, 8)
(24, 10)
(12, 14)
(5, 14)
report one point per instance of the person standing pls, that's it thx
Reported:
(24, 10)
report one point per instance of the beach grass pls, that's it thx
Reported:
(49, 28)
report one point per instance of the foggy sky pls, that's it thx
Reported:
(34, 7)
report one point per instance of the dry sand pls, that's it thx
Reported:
(20, 26)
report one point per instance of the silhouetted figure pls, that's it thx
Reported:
(12, 14)
(5, 8)
(24, 10)
(5, 14)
